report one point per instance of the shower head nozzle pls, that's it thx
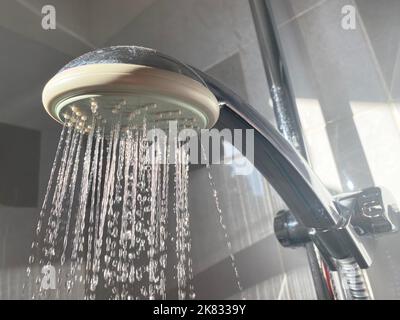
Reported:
(133, 82)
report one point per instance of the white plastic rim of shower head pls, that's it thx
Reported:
(129, 80)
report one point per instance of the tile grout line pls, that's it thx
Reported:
(300, 14)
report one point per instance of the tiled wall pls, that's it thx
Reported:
(346, 84)
(347, 87)
(202, 33)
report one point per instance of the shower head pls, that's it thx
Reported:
(134, 82)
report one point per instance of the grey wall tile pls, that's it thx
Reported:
(381, 20)
(32, 64)
(334, 67)
(19, 166)
(230, 73)
(285, 10)
(203, 33)
(340, 54)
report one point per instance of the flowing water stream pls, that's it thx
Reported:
(115, 207)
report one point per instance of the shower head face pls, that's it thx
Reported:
(133, 110)
(130, 110)
(108, 83)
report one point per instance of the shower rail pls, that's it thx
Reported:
(286, 115)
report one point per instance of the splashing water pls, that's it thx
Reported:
(115, 206)
(104, 221)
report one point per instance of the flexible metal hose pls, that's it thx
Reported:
(355, 283)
